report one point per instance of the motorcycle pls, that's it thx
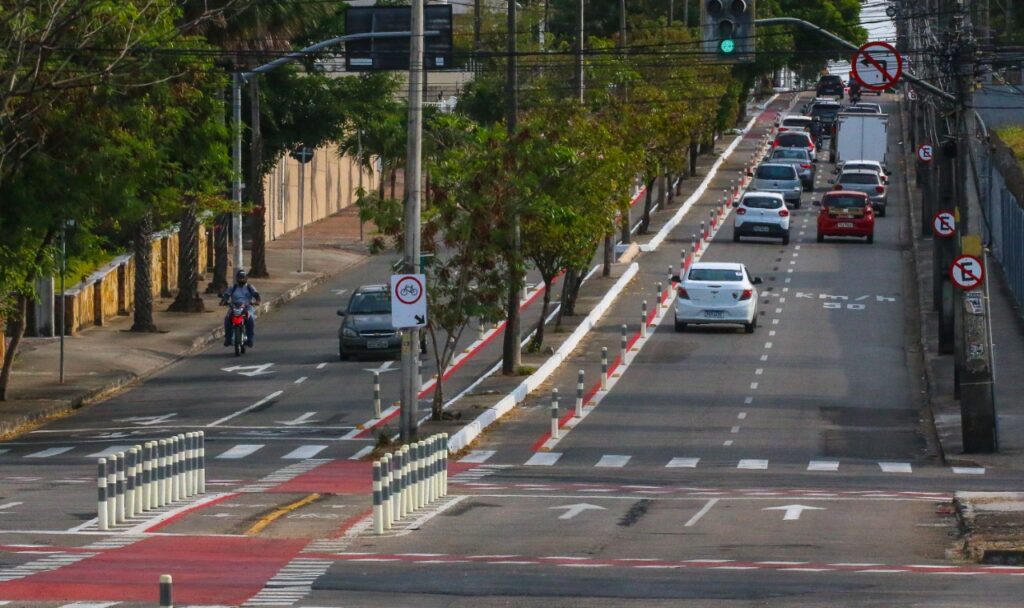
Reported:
(855, 96)
(239, 315)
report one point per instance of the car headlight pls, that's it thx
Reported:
(796, 187)
(348, 332)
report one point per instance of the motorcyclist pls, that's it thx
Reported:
(854, 91)
(245, 293)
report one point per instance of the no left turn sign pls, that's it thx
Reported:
(925, 152)
(877, 66)
(967, 272)
(944, 224)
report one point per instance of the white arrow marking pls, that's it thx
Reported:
(574, 510)
(384, 367)
(300, 420)
(257, 370)
(792, 511)
(147, 420)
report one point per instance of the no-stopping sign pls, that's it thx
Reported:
(944, 224)
(967, 272)
(925, 152)
(877, 66)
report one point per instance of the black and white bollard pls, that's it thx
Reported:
(397, 487)
(119, 496)
(202, 462)
(481, 330)
(579, 394)
(622, 345)
(385, 489)
(112, 491)
(147, 476)
(661, 293)
(378, 507)
(138, 479)
(376, 395)
(406, 480)
(643, 319)
(101, 497)
(604, 368)
(160, 466)
(129, 484)
(421, 475)
(444, 464)
(554, 413)
(165, 591)
(671, 274)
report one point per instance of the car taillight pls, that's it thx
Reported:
(879, 189)
(783, 212)
(837, 187)
(747, 294)
(740, 211)
(681, 292)
(805, 165)
(775, 144)
(811, 148)
(783, 129)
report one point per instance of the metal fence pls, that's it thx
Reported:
(1005, 228)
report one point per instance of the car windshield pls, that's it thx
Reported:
(859, 178)
(372, 303)
(762, 202)
(844, 202)
(795, 122)
(826, 114)
(715, 274)
(861, 167)
(776, 172)
(790, 153)
(792, 140)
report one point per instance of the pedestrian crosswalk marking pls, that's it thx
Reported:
(543, 459)
(114, 449)
(612, 461)
(49, 452)
(304, 452)
(241, 451)
(478, 456)
(895, 467)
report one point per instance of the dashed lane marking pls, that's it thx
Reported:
(304, 452)
(47, 453)
(478, 456)
(241, 451)
(754, 464)
(895, 467)
(969, 470)
(612, 461)
(823, 465)
(682, 463)
(543, 459)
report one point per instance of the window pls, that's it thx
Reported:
(845, 202)
(793, 140)
(776, 172)
(715, 274)
(859, 178)
(762, 202)
(370, 303)
(790, 153)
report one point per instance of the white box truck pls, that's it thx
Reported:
(860, 137)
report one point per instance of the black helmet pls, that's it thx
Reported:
(240, 277)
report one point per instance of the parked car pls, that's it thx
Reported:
(778, 177)
(762, 214)
(800, 159)
(867, 181)
(366, 324)
(845, 213)
(717, 292)
(830, 84)
(795, 122)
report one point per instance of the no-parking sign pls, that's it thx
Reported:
(925, 153)
(967, 272)
(944, 224)
(877, 66)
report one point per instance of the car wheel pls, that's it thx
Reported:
(735, 237)
(750, 327)
(785, 238)
(881, 211)
(821, 238)
(680, 326)
(871, 238)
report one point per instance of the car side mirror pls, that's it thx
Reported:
(341, 312)
(757, 281)
(675, 278)
(816, 203)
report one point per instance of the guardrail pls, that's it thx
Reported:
(149, 476)
(409, 479)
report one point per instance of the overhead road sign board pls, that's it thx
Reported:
(377, 54)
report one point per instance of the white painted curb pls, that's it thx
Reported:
(467, 434)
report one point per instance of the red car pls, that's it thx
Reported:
(845, 213)
(795, 139)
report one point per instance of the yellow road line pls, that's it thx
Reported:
(277, 513)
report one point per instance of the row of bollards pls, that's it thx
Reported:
(408, 479)
(149, 476)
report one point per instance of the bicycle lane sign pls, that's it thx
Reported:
(877, 66)
(408, 300)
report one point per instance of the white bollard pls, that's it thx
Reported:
(376, 395)
(604, 368)
(444, 464)
(202, 462)
(378, 508)
(112, 491)
(176, 470)
(579, 393)
(162, 483)
(481, 330)
(422, 474)
(396, 485)
(119, 497)
(138, 479)
(435, 472)
(129, 484)
(554, 413)
(385, 489)
(643, 319)
(101, 498)
(406, 480)
(622, 345)
(147, 476)
(190, 454)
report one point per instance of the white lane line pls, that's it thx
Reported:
(785, 290)
(543, 459)
(778, 311)
(682, 463)
(748, 400)
(362, 452)
(478, 456)
(114, 449)
(245, 410)
(798, 247)
(789, 280)
(895, 467)
(768, 345)
(734, 430)
(301, 380)
(304, 452)
(775, 321)
(49, 452)
(969, 470)
(759, 371)
(782, 300)
(753, 386)
(241, 451)
(703, 511)
(9, 505)
(612, 461)
(321, 366)
(764, 357)
(752, 464)
(823, 465)
(771, 333)
(741, 415)
(727, 443)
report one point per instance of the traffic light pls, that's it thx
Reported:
(727, 28)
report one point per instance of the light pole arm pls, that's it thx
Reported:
(807, 25)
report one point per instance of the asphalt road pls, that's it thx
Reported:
(790, 467)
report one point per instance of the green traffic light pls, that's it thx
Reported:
(727, 45)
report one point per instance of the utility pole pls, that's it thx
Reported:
(236, 183)
(512, 356)
(627, 221)
(609, 240)
(413, 186)
(579, 50)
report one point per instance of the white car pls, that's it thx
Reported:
(717, 292)
(795, 122)
(761, 214)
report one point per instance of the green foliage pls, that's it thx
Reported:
(1013, 136)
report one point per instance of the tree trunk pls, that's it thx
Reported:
(382, 180)
(142, 317)
(566, 296)
(394, 179)
(219, 281)
(538, 336)
(645, 222)
(258, 263)
(19, 322)
(694, 153)
(609, 255)
(188, 298)
(626, 226)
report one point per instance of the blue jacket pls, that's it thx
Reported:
(245, 293)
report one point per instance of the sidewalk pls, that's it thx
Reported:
(99, 361)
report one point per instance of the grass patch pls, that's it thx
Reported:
(525, 370)
(1014, 138)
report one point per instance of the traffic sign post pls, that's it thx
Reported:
(944, 224)
(967, 272)
(408, 301)
(925, 153)
(877, 66)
